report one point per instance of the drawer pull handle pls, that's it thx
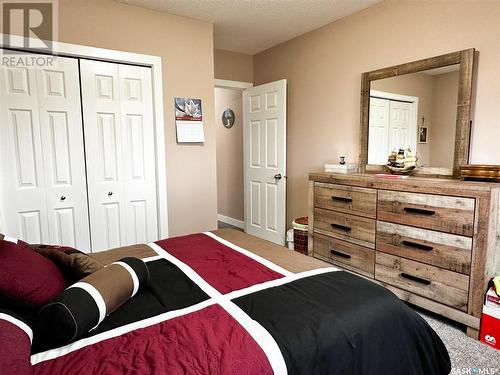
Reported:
(341, 227)
(415, 278)
(339, 254)
(417, 245)
(342, 199)
(419, 211)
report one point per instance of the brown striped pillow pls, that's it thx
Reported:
(85, 304)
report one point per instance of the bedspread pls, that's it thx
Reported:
(215, 308)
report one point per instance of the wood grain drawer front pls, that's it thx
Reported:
(346, 227)
(443, 250)
(348, 199)
(345, 254)
(446, 214)
(447, 287)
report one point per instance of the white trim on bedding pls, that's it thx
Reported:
(96, 296)
(258, 332)
(249, 254)
(135, 280)
(79, 344)
(278, 282)
(18, 323)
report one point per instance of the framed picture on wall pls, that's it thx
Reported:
(422, 134)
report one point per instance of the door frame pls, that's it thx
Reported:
(402, 98)
(109, 55)
(238, 86)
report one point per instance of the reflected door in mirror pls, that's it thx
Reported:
(404, 106)
(392, 126)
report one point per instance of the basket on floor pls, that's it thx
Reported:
(300, 227)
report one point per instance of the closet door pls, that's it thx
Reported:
(42, 160)
(378, 135)
(119, 143)
(139, 174)
(401, 132)
(24, 210)
(61, 128)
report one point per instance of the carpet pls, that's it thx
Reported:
(468, 356)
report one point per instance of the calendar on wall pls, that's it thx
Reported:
(189, 120)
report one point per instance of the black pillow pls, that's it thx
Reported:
(85, 304)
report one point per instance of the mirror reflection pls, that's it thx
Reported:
(415, 112)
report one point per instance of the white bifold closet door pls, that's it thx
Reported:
(42, 167)
(120, 150)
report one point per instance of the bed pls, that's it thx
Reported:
(225, 302)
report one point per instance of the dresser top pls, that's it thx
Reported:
(412, 183)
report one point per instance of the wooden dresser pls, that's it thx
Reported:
(434, 242)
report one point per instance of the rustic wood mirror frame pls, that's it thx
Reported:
(462, 134)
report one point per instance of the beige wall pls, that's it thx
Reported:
(233, 66)
(230, 195)
(186, 49)
(324, 67)
(444, 119)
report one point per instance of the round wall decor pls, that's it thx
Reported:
(228, 118)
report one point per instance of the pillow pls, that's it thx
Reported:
(85, 304)
(72, 262)
(28, 277)
(15, 344)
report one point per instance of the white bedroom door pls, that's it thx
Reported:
(119, 143)
(43, 192)
(264, 141)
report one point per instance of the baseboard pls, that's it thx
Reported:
(229, 220)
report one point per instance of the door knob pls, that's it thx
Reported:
(63, 198)
(110, 194)
(277, 176)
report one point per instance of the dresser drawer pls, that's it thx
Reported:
(447, 287)
(347, 199)
(345, 254)
(443, 213)
(439, 249)
(346, 227)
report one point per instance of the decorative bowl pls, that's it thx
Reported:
(396, 170)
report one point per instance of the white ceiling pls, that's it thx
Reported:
(252, 26)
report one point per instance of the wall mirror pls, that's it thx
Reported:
(422, 106)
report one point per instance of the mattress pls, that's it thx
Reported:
(229, 303)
